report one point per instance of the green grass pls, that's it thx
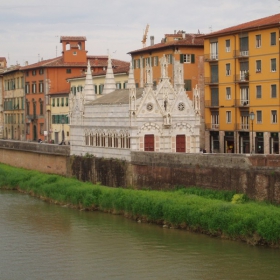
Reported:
(219, 213)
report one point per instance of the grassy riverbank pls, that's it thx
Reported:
(217, 213)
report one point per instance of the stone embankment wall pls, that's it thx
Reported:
(258, 176)
(47, 158)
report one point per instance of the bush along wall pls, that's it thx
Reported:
(217, 213)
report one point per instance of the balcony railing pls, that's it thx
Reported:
(241, 54)
(213, 80)
(211, 57)
(212, 126)
(211, 103)
(242, 102)
(243, 77)
(242, 126)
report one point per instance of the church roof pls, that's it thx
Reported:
(118, 96)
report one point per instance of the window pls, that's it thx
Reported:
(136, 63)
(258, 41)
(41, 128)
(62, 101)
(26, 73)
(228, 69)
(41, 108)
(259, 116)
(187, 58)
(228, 116)
(258, 66)
(118, 85)
(188, 85)
(169, 58)
(27, 88)
(33, 72)
(57, 102)
(215, 119)
(244, 95)
(101, 87)
(258, 91)
(66, 103)
(33, 87)
(155, 60)
(273, 39)
(273, 65)
(228, 93)
(41, 71)
(273, 116)
(53, 102)
(273, 91)
(147, 61)
(227, 45)
(214, 50)
(68, 71)
(41, 87)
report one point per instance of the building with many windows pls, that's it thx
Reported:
(161, 119)
(180, 46)
(47, 80)
(242, 88)
(13, 99)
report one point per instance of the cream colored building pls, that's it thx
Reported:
(13, 125)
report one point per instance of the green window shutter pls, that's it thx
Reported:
(134, 63)
(152, 61)
(181, 58)
(192, 58)
(188, 85)
(95, 89)
(53, 119)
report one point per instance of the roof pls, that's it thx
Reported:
(116, 70)
(118, 96)
(96, 61)
(72, 38)
(2, 58)
(191, 40)
(261, 23)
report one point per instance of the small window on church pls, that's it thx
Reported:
(74, 53)
(149, 106)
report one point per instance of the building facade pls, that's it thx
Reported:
(182, 47)
(242, 88)
(46, 81)
(13, 104)
(161, 119)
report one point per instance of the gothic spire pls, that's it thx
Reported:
(110, 84)
(89, 92)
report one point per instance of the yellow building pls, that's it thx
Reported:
(13, 104)
(242, 88)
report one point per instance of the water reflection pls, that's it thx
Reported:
(40, 241)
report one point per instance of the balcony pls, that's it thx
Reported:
(211, 103)
(241, 54)
(211, 57)
(243, 126)
(243, 77)
(242, 102)
(212, 126)
(213, 80)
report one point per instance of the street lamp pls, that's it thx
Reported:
(252, 117)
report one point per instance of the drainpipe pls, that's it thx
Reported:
(235, 107)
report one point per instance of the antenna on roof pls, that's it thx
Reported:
(210, 27)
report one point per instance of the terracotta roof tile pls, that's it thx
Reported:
(96, 61)
(72, 38)
(261, 23)
(190, 40)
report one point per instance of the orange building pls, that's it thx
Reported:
(242, 88)
(49, 77)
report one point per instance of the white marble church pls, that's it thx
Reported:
(111, 125)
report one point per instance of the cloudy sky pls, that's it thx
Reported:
(30, 29)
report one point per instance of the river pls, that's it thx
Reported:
(43, 241)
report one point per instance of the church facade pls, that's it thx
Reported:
(111, 125)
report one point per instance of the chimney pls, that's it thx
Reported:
(26, 63)
(152, 38)
(174, 31)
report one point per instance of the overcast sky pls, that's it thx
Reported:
(30, 29)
